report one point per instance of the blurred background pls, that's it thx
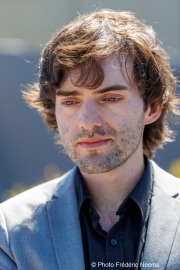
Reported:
(28, 154)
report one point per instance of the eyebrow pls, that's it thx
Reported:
(117, 87)
(60, 92)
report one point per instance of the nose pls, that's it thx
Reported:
(90, 116)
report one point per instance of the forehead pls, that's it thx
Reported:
(117, 69)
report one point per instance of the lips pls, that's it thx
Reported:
(91, 143)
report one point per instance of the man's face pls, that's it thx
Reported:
(100, 129)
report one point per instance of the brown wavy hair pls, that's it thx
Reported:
(84, 43)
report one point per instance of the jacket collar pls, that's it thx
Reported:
(163, 221)
(62, 211)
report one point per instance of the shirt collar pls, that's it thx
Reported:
(81, 190)
(141, 194)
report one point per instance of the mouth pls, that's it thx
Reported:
(92, 143)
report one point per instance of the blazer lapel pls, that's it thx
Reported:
(162, 227)
(64, 223)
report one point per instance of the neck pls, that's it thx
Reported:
(108, 190)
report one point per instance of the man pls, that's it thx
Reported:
(106, 86)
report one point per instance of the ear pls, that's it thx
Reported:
(152, 113)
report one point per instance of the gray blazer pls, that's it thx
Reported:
(40, 229)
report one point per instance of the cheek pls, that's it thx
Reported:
(135, 109)
(61, 120)
(63, 129)
(66, 132)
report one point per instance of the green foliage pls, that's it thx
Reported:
(175, 168)
(51, 171)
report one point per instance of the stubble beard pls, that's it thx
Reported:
(126, 142)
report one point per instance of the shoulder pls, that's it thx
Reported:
(32, 201)
(24, 222)
(165, 181)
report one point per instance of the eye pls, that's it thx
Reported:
(69, 102)
(112, 99)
